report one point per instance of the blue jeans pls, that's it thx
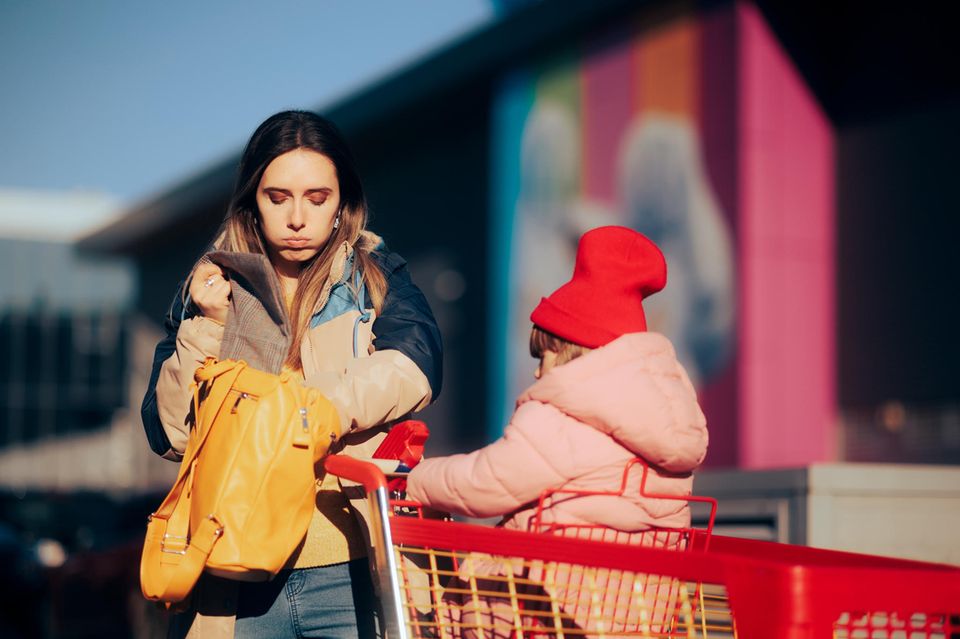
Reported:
(329, 602)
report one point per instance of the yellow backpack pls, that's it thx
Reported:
(245, 492)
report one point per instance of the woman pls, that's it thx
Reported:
(296, 282)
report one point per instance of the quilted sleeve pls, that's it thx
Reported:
(189, 340)
(497, 479)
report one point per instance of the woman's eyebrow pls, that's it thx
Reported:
(275, 189)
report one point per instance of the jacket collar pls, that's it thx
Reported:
(257, 275)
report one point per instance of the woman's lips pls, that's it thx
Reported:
(296, 242)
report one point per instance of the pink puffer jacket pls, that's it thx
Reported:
(577, 428)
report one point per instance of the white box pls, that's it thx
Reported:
(897, 510)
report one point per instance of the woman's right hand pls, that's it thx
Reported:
(210, 291)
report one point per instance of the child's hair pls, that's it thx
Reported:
(541, 340)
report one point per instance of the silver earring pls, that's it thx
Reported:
(336, 221)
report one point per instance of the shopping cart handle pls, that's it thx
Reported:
(362, 472)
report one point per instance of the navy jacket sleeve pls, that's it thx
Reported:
(406, 323)
(156, 437)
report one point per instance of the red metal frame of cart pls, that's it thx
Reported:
(735, 588)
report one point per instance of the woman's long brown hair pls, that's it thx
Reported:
(240, 232)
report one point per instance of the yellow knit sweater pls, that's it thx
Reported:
(334, 535)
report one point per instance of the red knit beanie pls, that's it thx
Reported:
(616, 269)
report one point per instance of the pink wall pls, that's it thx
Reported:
(786, 269)
(606, 110)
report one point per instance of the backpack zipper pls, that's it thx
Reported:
(233, 411)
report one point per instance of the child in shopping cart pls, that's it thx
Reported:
(607, 392)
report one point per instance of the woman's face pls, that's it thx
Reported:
(298, 198)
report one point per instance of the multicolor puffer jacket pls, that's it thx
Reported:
(373, 368)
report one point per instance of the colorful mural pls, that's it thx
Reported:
(638, 126)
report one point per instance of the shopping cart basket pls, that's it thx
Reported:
(732, 588)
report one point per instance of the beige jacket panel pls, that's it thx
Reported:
(368, 390)
(197, 339)
(373, 390)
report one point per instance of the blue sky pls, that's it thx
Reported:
(128, 98)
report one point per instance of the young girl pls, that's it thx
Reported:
(607, 391)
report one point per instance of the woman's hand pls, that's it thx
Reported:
(210, 291)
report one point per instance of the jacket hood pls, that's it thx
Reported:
(634, 390)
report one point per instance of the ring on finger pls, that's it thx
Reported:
(207, 283)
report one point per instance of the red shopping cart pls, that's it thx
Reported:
(725, 588)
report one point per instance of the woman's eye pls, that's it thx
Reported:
(318, 202)
(278, 200)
